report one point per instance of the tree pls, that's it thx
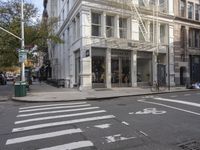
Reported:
(36, 32)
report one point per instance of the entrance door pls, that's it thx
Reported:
(120, 70)
(161, 74)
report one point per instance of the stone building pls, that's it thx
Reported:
(187, 41)
(112, 43)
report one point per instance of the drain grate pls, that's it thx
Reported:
(192, 145)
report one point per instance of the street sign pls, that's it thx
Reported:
(22, 56)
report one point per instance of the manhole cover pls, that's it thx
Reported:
(192, 145)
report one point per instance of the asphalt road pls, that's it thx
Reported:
(158, 122)
(6, 91)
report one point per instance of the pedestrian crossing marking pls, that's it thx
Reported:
(50, 108)
(42, 136)
(49, 105)
(59, 116)
(57, 111)
(39, 126)
(71, 146)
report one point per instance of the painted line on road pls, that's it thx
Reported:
(59, 116)
(178, 101)
(42, 136)
(172, 107)
(60, 104)
(198, 93)
(57, 111)
(71, 146)
(51, 108)
(52, 124)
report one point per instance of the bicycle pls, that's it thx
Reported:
(158, 87)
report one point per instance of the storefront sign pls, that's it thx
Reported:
(87, 53)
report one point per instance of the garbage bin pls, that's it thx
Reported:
(20, 89)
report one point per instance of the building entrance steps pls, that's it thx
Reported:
(42, 92)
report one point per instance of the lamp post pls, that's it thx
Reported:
(22, 40)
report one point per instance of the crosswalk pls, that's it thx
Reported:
(52, 121)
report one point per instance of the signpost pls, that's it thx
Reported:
(22, 56)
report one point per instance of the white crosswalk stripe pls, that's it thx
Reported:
(42, 136)
(31, 119)
(52, 124)
(71, 146)
(51, 108)
(57, 111)
(59, 116)
(60, 104)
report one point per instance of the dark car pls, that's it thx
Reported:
(3, 79)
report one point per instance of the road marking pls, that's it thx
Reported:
(60, 104)
(59, 116)
(58, 111)
(143, 133)
(198, 93)
(50, 108)
(187, 94)
(153, 111)
(117, 137)
(178, 101)
(126, 123)
(191, 112)
(103, 126)
(70, 146)
(42, 136)
(39, 126)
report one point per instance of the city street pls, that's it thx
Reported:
(156, 122)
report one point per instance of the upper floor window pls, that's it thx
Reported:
(182, 8)
(109, 26)
(96, 24)
(197, 11)
(122, 27)
(190, 10)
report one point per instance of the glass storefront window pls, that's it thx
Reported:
(98, 69)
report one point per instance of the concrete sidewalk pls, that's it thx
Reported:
(47, 93)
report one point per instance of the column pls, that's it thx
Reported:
(148, 30)
(116, 33)
(187, 55)
(154, 64)
(103, 25)
(85, 51)
(134, 68)
(108, 68)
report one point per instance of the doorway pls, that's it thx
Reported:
(120, 71)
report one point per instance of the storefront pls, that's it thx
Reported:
(120, 68)
(144, 68)
(194, 68)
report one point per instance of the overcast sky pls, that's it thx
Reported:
(38, 4)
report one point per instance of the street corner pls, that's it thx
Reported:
(4, 98)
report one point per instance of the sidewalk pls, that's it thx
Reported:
(47, 93)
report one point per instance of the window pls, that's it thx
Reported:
(109, 26)
(122, 27)
(162, 34)
(74, 30)
(96, 24)
(197, 8)
(190, 10)
(182, 8)
(183, 37)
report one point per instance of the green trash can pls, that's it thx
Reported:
(20, 89)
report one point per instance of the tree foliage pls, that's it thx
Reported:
(36, 31)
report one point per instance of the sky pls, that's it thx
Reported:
(38, 4)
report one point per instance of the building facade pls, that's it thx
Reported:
(113, 43)
(187, 43)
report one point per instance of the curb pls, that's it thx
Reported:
(100, 98)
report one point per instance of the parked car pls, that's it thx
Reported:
(10, 78)
(3, 80)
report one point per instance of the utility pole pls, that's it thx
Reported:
(22, 40)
